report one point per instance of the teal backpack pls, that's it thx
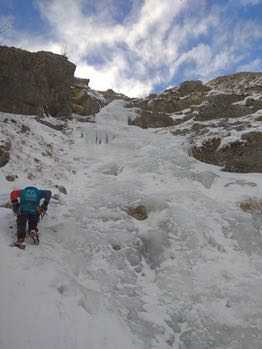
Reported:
(30, 199)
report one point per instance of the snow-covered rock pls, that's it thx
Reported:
(221, 119)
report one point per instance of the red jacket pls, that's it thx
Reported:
(15, 194)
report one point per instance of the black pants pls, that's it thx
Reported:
(22, 220)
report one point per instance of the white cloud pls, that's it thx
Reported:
(154, 19)
(151, 45)
(142, 37)
(109, 76)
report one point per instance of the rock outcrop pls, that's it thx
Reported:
(222, 105)
(35, 83)
(239, 83)
(242, 156)
(157, 110)
(86, 101)
(221, 119)
(139, 212)
(225, 97)
(149, 119)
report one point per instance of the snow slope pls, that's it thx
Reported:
(188, 277)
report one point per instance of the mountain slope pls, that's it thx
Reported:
(221, 119)
(187, 277)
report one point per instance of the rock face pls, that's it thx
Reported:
(222, 119)
(155, 110)
(148, 119)
(222, 106)
(239, 83)
(81, 83)
(242, 156)
(83, 102)
(226, 97)
(35, 83)
(86, 101)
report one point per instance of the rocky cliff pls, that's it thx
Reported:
(221, 119)
(35, 83)
(88, 102)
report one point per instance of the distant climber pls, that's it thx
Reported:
(29, 204)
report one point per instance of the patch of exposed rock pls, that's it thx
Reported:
(139, 212)
(148, 119)
(239, 83)
(252, 205)
(242, 156)
(81, 83)
(222, 106)
(194, 86)
(4, 153)
(35, 83)
(226, 97)
(110, 96)
(58, 127)
(11, 178)
(254, 104)
(86, 101)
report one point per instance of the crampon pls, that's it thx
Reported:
(34, 236)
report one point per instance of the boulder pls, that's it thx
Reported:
(11, 178)
(35, 83)
(139, 212)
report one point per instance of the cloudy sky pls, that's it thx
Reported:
(140, 46)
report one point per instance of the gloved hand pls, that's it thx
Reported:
(41, 211)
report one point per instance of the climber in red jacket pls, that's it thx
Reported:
(29, 205)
